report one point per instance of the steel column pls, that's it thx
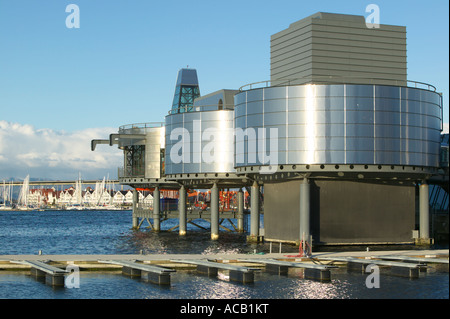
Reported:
(254, 212)
(156, 210)
(305, 214)
(424, 211)
(214, 212)
(135, 202)
(240, 217)
(182, 211)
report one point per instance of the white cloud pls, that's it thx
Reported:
(45, 153)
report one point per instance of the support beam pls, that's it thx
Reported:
(424, 211)
(156, 210)
(305, 216)
(215, 212)
(182, 211)
(240, 217)
(424, 214)
(254, 214)
(135, 202)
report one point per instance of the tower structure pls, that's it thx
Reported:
(186, 91)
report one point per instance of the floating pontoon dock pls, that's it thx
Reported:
(154, 274)
(157, 268)
(312, 270)
(53, 276)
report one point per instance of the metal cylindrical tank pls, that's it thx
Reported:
(142, 144)
(338, 124)
(200, 142)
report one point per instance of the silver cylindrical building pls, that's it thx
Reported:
(200, 142)
(338, 124)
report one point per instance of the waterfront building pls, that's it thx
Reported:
(120, 198)
(343, 144)
(90, 198)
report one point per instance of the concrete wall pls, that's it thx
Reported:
(340, 46)
(342, 212)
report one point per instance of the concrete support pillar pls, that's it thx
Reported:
(182, 211)
(424, 212)
(135, 202)
(305, 215)
(214, 212)
(240, 217)
(254, 213)
(156, 210)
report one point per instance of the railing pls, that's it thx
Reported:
(130, 172)
(201, 108)
(141, 125)
(325, 79)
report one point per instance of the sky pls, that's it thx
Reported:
(61, 87)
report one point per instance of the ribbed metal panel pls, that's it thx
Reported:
(339, 124)
(207, 144)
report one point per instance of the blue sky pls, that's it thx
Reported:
(120, 66)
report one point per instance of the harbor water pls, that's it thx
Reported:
(109, 232)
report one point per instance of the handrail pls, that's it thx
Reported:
(141, 125)
(423, 83)
(200, 108)
(330, 79)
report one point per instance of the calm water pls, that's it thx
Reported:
(108, 232)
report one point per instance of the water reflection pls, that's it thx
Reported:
(195, 242)
(215, 288)
(188, 285)
(307, 289)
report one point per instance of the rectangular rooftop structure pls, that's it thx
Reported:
(339, 48)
